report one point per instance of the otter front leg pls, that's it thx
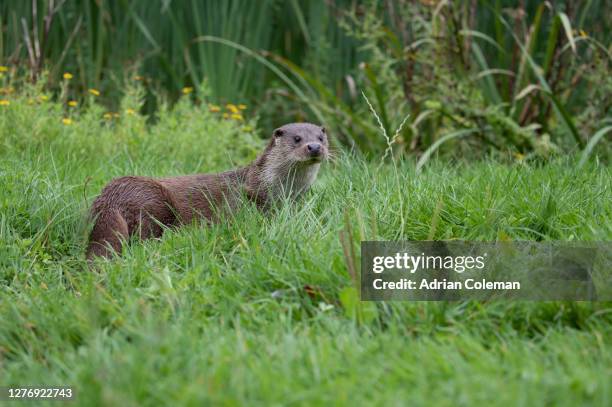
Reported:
(108, 232)
(147, 226)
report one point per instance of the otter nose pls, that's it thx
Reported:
(314, 149)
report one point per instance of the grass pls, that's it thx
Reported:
(535, 84)
(250, 311)
(104, 43)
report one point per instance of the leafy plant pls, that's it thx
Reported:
(516, 76)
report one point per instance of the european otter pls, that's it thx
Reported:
(140, 206)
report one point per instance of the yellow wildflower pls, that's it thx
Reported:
(4, 102)
(226, 115)
(3, 69)
(583, 34)
(94, 92)
(72, 103)
(67, 121)
(108, 115)
(519, 156)
(187, 90)
(232, 108)
(67, 75)
(242, 106)
(214, 108)
(237, 116)
(43, 98)
(130, 111)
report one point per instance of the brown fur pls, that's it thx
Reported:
(143, 206)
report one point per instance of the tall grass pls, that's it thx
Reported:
(100, 40)
(528, 76)
(256, 310)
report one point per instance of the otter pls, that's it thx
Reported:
(143, 207)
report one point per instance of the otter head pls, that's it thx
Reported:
(290, 163)
(302, 143)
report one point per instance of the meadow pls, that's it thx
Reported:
(470, 120)
(263, 310)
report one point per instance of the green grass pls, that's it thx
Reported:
(221, 314)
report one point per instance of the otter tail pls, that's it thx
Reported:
(108, 232)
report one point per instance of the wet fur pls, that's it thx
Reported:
(143, 206)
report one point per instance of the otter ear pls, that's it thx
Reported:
(278, 133)
(323, 129)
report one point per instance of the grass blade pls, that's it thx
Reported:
(551, 44)
(489, 84)
(427, 154)
(301, 21)
(597, 137)
(483, 37)
(567, 26)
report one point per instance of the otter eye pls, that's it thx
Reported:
(321, 138)
(297, 139)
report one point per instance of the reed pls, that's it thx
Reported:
(527, 76)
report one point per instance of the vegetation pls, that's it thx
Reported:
(263, 309)
(471, 76)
